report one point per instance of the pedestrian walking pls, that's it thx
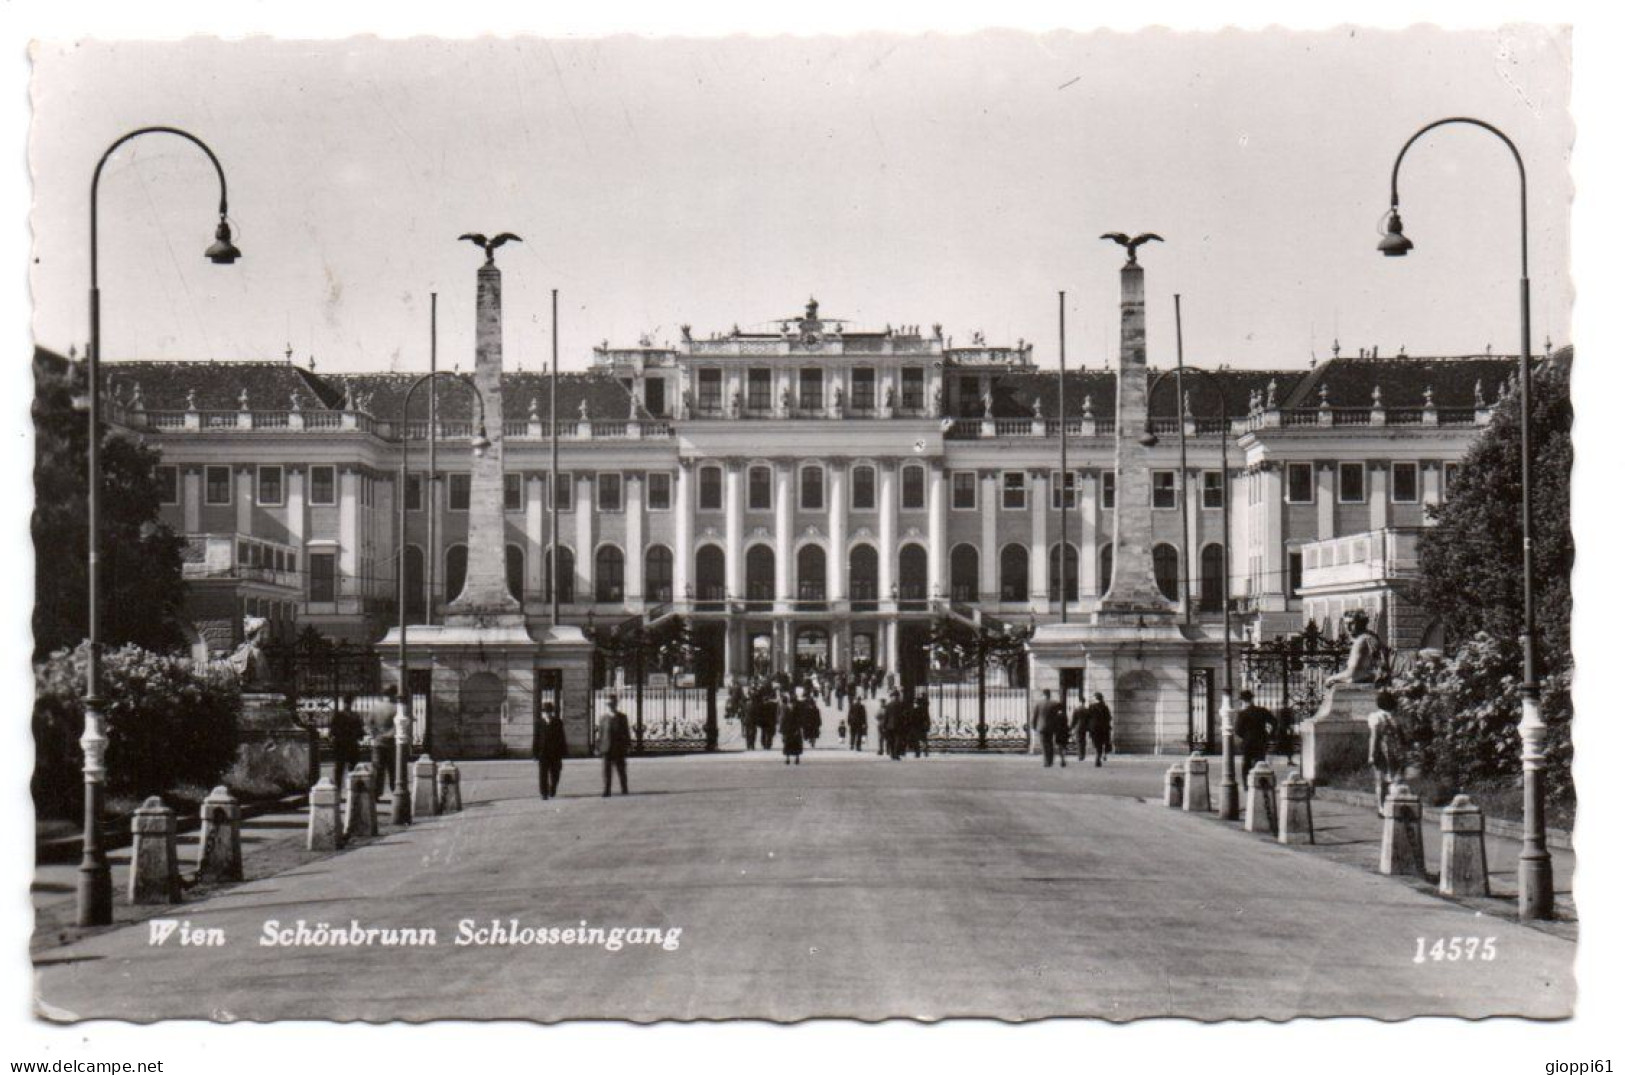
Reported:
(920, 722)
(615, 738)
(857, 723)
(767, 721)
(1252, 727)
(1049, 722)
(810, 717)
(790, 726)
(344, 732)
(548, 749)
(1078, 727)
(895, 715)
(1098, 723)
(1387, 749)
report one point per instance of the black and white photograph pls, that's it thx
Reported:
(1010, 525)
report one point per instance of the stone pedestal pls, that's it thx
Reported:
(1260, 813)
(451, 788)
(1338, 737)
(1173, 786)
(1297, 815)
(360, 808)
(272, 747)
(1463, 867)
(1402, 834)
(155, 875)
(322, 830)
(425, 796)
(1198, 797)
(220, 843)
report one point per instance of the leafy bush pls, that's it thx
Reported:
(1459, 714)
(166, 725)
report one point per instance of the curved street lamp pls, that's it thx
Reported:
(1229, 792)
(95, 886)
(1534, 861)
(400, 807)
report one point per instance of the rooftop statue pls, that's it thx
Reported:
(490, 245)
(1131, 245)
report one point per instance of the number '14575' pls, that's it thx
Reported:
(1455, 949)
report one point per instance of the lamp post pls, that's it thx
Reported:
(95, 887)
(1534, 861)
(400, 807)
(1229, 791)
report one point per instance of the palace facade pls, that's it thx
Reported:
(808, 494)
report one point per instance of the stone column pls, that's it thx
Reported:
(192, 500)
(298, 521)
(485, 587)
(1133, 593)
(586, 519)
(1088, 542)
(635, 597)
(1274, 536)
(349, 530)
(733, 501)
(1377, 494)
(936, 505)
(535, 533)
(1038, 558)
(1325, 501)
(682, 556)
(988, 561)
(887, 471)
(835, 562)
(245, 500)
(784, 536)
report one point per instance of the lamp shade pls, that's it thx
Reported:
(1394, 244)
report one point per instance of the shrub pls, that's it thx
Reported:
(1460, 714)
(166, 725)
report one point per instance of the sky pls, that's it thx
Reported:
(900, 179)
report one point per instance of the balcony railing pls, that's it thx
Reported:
(1371, 556)
(239, 556)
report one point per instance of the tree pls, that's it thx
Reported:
(142, 591)
(1472, 559)
(1463, 709)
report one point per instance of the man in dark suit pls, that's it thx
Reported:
(1049, 721)
(765, 715)
(857, 723)
(615, 740)
(345, 732)
(1098, 721)
(1078, 728)
(1252, 729)
(894, 726)
(549, 749)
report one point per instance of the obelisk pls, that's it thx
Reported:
(485, 599)
(1133, 595)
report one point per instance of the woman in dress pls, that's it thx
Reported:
(789, 727)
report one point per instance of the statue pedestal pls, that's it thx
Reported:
(1338, 738)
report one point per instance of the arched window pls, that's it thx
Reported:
(515, 565)
(863, 574)
(1105, 568)
(1055, 569)
(810, 573)
(1013, 573)
(414, 585)
(759, 574)
(1213, 578)
(1165, 566)
(657, 568)
(567, 575)
(609, 575)
(964, 573)
(456, 570)
(710, 574)
(912, 573)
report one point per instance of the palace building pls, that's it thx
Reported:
(814, 494)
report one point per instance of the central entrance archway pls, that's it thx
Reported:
(811, 649)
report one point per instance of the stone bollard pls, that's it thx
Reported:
(1402, 833)
(323, 833)
(424, 802)
(155, 875)
(360, 809)
(1260, 814)
(451, 788)
(1197, 798)
(1296, 811)
(1173, 786)
(1463, 868)
(220, 844)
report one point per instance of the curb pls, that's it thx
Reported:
(1493, 826)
